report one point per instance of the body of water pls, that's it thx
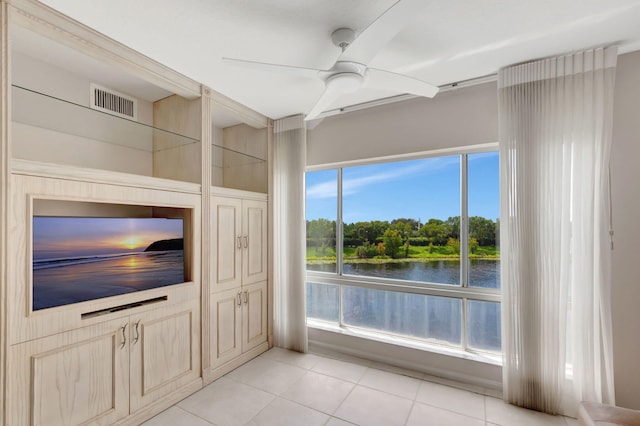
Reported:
(431, 318)
(482, 272)
(63, 281)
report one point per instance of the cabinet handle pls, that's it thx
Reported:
(245, 297)
(124, 336)
(246, 241)
(239, 242)
(135, 339)
(238, 299)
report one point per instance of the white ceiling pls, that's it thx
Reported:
(450, 41)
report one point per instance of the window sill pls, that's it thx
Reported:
(487, 358)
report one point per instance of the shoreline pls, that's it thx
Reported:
(327, 261)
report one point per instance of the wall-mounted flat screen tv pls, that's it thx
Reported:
(76, 259)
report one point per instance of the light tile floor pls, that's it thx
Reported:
(281, 387)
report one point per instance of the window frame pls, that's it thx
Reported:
(460, 291)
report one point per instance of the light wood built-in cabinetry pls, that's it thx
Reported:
(103, 373)
(239, 278)
(239, 237)
(185, 152)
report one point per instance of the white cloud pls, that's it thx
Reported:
(355, 184)
(323, 190)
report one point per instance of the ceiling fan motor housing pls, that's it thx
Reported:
(344, 82)
(342, 37)
(344, 76)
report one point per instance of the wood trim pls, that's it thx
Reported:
(161, 404)
(247, 115)
(270, 251)
(206, 229)
(238, 193)
(80, 174)
(5, 154)
(53, 24)
(213, 375)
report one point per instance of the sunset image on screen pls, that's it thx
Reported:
(70, 236)
(81, 258)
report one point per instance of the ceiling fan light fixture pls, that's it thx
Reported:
(344, 82)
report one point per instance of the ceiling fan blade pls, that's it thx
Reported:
(373, 38)
(399, 83)
(282, 69)
(329, 95)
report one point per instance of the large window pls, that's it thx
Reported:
(408, 248)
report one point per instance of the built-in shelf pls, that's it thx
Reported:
(48, 129)
(223, 158)
(40, 110)
(238, 170)
(81, 174)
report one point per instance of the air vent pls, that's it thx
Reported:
(112, 102)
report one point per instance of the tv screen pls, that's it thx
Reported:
(76, 259)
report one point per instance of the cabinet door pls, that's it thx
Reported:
(226, 329)
(254, 318)
(165, 352)
(226, 256)
(77, 377)
(254, 243)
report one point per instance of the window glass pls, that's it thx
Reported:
(322, 302)
(483, 325)
(321, 212)
(434, 318)
(402, 220)
(484, 213)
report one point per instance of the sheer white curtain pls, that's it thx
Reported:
(289, 152)
(555, 137)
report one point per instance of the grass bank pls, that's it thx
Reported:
(315, 255)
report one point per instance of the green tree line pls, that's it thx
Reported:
(393, 239)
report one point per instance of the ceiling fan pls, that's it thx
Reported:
(350, 71)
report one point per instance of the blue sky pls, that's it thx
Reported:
(59, 237)
(417, 189)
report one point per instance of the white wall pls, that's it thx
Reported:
(469, 116)
(462, 117)
(42, 77)
(625, 177)
(80, 138)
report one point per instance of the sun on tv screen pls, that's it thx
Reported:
(76, 259)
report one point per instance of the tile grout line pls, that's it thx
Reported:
(312, 408)
(287, 399)
(413, 401)
(413, 404)
(308, 367)
(484, 403)
(356, 384)
(193, 414)
(451, 411)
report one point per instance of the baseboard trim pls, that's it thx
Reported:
(215, 373)
(160, 405)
